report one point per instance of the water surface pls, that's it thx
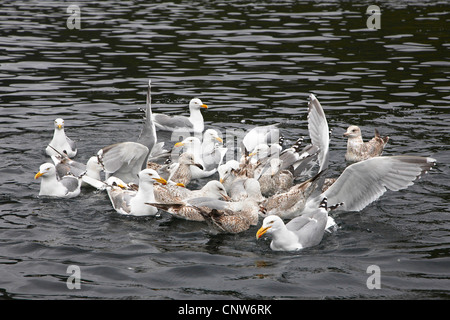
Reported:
(252, 64)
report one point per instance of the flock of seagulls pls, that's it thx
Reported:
(268, 181)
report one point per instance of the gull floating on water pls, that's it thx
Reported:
(193, 145)
(181, 171)
(172, 193)
(65, 187)
(299, 233)
(61, 142)
(224, 216)
(358, 150)
(131, 202)
(193, 123)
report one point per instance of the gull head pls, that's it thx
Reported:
(150, 175)
(46, 169)
(188, 159)
(216, 190)
(211, 135)
(59, 124)
(197, 104)
(270, 224)
(190, 142)
(353, 132)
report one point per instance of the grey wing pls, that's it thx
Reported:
(148, 133)
(318, 130)
(311, 233)
(174, 122)
(71, 143)
(124, 160)
(364, 182)
(211, 203)
(71, 183)
(120, 199)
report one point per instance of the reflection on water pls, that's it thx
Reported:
(252, 63)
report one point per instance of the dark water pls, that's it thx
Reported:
(252, 62)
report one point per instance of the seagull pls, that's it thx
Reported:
(299, 233)
(213, 151)
(175, 193)
(193, 145)
(66, 166)
(275, 180)
(358, 150)
(193, 123)
(181, 171)
(227, 216)
(66, 187)
(61, 142)
(291, 203)
(128, 201)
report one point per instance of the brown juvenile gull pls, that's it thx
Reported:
(299, 233)
(194, 209)
(193, 123)
(61, 142)
(193, 146)
(171, 193)
(288, 204)
(358, 150)
(275, 180)
(181, 172)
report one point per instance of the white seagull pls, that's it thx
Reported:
(131, 202)
(299, 233)
(61, 142)
(66, 187)
(193, 123)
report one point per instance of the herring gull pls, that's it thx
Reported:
(181, 171)
(193, 145)
(226, 216)
(61, 142)
(65, 187)
(299, 233)
(358, 150)
(131, 202)
(193, 123)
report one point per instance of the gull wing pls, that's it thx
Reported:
(364, 182)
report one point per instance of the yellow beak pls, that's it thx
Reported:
(160, 180)
(204, 106)
(59, 126)
(181, 185)
(252, 154)
(38, 175)
(261, 231)
(219, 139)
(221, 180)
(179, 144)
